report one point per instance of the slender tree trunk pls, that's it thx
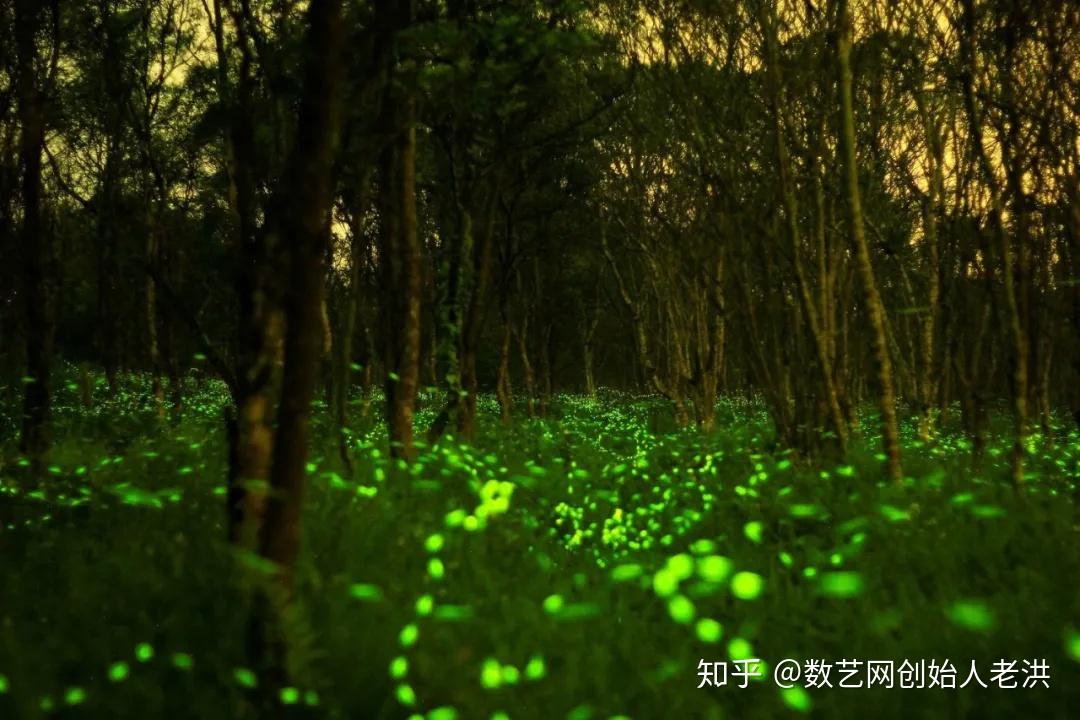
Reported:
(34, 441)
(150, 310)
(107, 333)
(1013, 318)
(169, 265)
(502, 384)
(306, 192)
(587, 361)
(928, 371)
(545, 370)
(343, 350)
(528, 379)
(399, 255)
(791, 213)
(875, 309)
(474, 319)
(452, 276)
(259, 319)
(590, 318)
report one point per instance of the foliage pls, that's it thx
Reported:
(578, 566)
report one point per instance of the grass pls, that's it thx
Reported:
(578, 567)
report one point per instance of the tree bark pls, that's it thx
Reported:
(34, 440)
(791, 212)
(306, 193)
(1014, 318)
(875, 309)
(259, 319)
(399, 250)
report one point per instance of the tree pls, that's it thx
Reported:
(399, 247)
(874, 307)
(307, 192)
(32, 91)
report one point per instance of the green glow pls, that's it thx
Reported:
(406, 695)
(535, 669)
(708, 630)
(665, 582)
(581, 546)
(245, 677)
(581, 712)
(894, 514)
(681, 566)
(797, 699)
(623, 573)
(747, 585)
(409, 635)
(703, 547)
(365, 592)
(491, 676)
(972, 615)
(681, 609)
(753, 531)
(740, 649)
(553, 604)
(715, 568)
(841, 584)
(1072, 644)
(452, 613)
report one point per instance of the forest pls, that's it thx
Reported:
(532, 359)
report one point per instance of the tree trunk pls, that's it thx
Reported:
(34, 440)
(875, 309)
(306, 193)
(932, 211)
(259, 318)
(545, 370)
(1017, 332)
(791, 212)
(153, 349)
(452, 275)
(475, 311)
(528, 379)
(587, 361)
(502, 384)
(399, 254)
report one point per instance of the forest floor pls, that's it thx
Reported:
(579, 567)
